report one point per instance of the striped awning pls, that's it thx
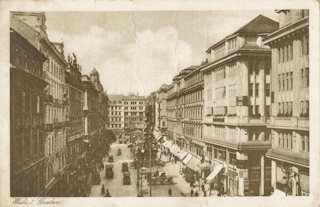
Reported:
(192, 164)
(214, 173)
(182, 154)
(187, 159)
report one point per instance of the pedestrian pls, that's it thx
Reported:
(107, 194)
(103, 190)
(170, 192)
(204, 193)
(202, 187)
(196, 194)
(192, 192)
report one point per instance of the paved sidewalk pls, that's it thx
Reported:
(174, 169)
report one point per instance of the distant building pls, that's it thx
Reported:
(116, 114)
(134, 112)
(289, 123)
(27, 113)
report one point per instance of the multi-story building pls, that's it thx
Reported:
(289, 123)
(161, 110)
(134, 109)
(54, 73)
(237, 99)
(175, 127)
(27, 136)
(73, 99)
(116, 115)
(91, 113)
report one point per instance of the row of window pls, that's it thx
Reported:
(133, 113)
(193, 97)
(133, 118)
(219, 52)
(115, 125)
(55, 143)
(133, 103)
(232, 44)
(115, 119)
(285, 53)
(116, 107)
(220, 93)
(233, 70)
(232, 91)
(285, 81)
(193, 130)
(32, 145)
(220, 74)
(194, 79)
(285, 140)
(25, 60)
(193, 113)
(55, 68)
(115, 113)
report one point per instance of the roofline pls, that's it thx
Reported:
(42, 56)
(237, 32)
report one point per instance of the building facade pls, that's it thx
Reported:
(54, 74)
(161, 110)
(175, 128)
(27, 135)
(73, 99)
(116, 114)
(289, 123)
(237, 99)
(134, 109)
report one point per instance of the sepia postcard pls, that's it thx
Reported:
(189, 103)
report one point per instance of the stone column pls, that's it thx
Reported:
(273, 174)
(262, 177)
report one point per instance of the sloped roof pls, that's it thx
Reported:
(115, 97)
(260, 24)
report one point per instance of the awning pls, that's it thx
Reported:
(169, 145)
(182, 154)
(158, 138)
(192, 164)
(215, 172)
(187, 159)
(173, 148)
(165, 143)
(176, 152)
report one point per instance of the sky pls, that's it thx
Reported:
(138, 51)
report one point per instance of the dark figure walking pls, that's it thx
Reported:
(103, 190)
(192, 192)
(202, 187)
(196, 194)
(170, 192)
(204, 193)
